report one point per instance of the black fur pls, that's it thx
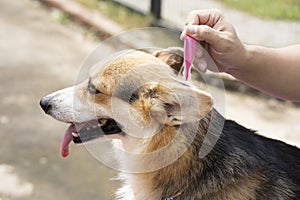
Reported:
(241, 152)
(278, 160)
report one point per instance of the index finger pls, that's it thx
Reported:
(207, 17)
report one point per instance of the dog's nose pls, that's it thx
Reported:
(45, 105)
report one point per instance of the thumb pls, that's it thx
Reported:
(204, 33)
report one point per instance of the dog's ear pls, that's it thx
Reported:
(181, 104)
(173, 56)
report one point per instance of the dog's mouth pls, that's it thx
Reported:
(87, 131)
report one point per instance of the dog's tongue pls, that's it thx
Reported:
(67, 140)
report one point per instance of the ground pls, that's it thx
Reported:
(38, 56)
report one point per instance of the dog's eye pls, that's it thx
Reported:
(92, 89)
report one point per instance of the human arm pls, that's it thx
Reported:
(275, 71)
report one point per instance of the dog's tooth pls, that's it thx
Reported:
(75, 134)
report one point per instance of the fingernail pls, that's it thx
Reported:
(182, 36)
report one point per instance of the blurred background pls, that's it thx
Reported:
(43, 44)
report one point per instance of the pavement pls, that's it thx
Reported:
(40, 55)
(251, 29)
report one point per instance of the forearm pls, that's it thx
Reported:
(274, 71)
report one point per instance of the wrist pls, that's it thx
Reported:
(245, 61)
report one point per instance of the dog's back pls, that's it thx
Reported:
(277, 162)
(245, 165)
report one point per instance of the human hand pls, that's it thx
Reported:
(218, 37)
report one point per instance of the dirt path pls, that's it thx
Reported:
(38, 56)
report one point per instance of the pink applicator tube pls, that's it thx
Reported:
(189, 54)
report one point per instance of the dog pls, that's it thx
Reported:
(138, 101)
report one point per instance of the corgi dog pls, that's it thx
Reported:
(159, 122)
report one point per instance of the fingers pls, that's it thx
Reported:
(207, 17)
(201, 64)
(204, 33)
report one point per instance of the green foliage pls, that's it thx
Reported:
(122, 15)
(60, 16)
(270, 9)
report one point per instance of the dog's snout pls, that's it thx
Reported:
(45, 104)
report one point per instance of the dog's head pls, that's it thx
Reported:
(133, 96)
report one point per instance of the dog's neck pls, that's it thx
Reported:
(178, 176)
(181, 174)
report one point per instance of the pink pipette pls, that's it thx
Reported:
(189, 54)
